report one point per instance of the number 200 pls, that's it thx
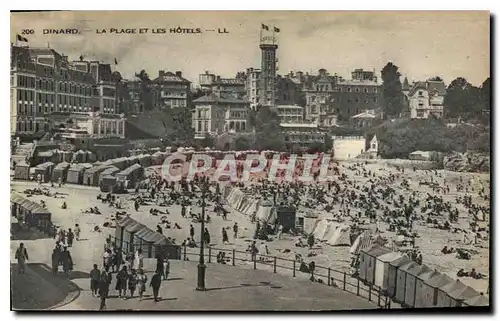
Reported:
(27, 31)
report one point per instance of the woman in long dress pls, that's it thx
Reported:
(142, 279)
(138, 260)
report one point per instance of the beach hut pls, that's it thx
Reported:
(31, 214)
(130, 176)
(266, 212)
(401, 281)
(110, 171)
(368, 260)
(60, 172)
(420, 155)
(75, 173)
(22, 171)
(443, 298)
(428, 290)
(477, 301)
(458, 296)
(153, 243)
(108, 184)
(341, 236)
(285, 215)
(310, 222)
(66, 156)
(382, 269)
(420, 288)
(124, 233)
(91, 175)
(393, 274)
(411, 282)
(120, 163)
(45, 171)
(79, 157)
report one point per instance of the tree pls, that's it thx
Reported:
(392, 91)
(242, 143)
(437, 78)
(208, 141)
(328, 142)
(462, 100)
(145, 93)
(177, 124)
(268, 130)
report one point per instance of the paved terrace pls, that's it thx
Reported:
(228, 288)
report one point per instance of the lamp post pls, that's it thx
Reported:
(201, 265)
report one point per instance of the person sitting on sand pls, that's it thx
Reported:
(64, 206)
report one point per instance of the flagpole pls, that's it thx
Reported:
(260, 35)
(274, 28)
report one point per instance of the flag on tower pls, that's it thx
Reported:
(116, 61)
(22, 39)
(276, 29)
(265, 27)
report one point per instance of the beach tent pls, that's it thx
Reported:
(91, 175)
(45, 171)
(75, 173)
(428, 293)
(367, 261)
(124, 231)
(131, 175)
(60, 172)
(120, 163)
(443, 298)
(363, 241)
(341, 236)
(332, 227)
(477, 301)
(382, 269)
(31, 214)
(320, 229)
(393, 274)
(110, 171)
(266, 212)
(310, 223)
(410, 283)
(458, 296)
(401, 281)
(421, 293)
(22, 171)
(108, 184)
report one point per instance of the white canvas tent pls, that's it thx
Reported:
(363, 241)
(310, 223)
(428, 293)
(382, 269)
(341, 236)
(401, 281)
(332, 227)
(411, 280)
(421, 294)
(266, 212)
(320, 229)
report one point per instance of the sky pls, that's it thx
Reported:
(422, 44)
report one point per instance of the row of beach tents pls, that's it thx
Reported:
(263, 210)
(413, 285)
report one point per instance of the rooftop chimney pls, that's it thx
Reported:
(178, 73)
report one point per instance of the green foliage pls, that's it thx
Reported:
(465, 100)
(399, 138)
(145, 94)
(208, 141)
(328, 142)
(242, 143)
(267, 130)
(392, 91)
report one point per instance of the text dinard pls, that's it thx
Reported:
(149, 30)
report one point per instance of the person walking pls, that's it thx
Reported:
(138, 260)
(191, 231)
(132, 282)
(142, 279)
(121, 282)
(206, 236)
(254, 251)
(95, 276)
(77, 232)
(166, 267)
(21, 257)
(155, 284)
(159, 265)
(235, 230)
(67, 261)
(225, 238)
(104, 283)
(70, 237)
(55, 260)
(280, 232)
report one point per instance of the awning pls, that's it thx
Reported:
(151, 236)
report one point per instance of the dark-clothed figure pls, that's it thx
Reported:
(155, 284)
(121, 282)
(55, 260)
(67, 261)
(104, 283)
(21, 257)
(225, 238)
(132, 282)
(95, 276)
(70, 237)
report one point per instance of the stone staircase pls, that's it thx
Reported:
(22, 152)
